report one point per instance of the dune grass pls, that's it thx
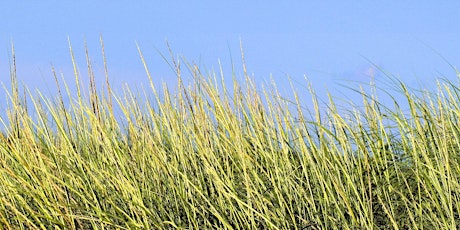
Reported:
(212, 156)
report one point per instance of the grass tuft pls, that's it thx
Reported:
(207, 156)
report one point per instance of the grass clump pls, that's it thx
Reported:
(213, 156)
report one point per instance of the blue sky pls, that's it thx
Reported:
(331, 42)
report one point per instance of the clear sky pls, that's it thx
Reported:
(328, 41)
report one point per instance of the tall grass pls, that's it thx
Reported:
(211, 155)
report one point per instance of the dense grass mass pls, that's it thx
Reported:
(233, 157)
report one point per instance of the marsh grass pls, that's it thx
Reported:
(212, 156)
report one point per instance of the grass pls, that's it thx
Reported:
(215, 156)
